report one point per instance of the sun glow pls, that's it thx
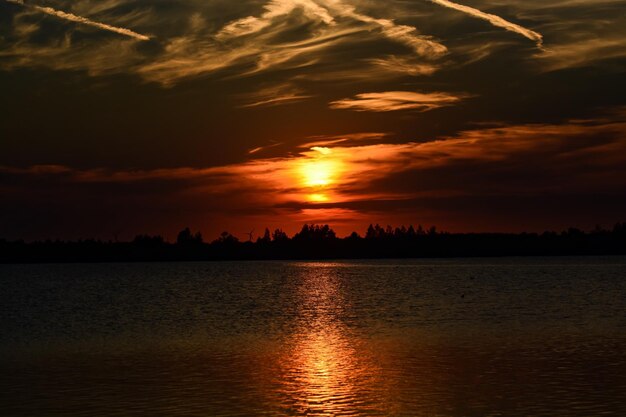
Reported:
(318, 198)
(321, 170)
(319, 173)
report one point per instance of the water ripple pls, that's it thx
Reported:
(390, 338)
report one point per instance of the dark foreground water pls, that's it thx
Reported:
(489, 337)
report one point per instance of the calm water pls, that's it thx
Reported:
(508, 337)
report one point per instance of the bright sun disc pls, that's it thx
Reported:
(319, 173)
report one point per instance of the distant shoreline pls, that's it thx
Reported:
(217, 261)
(320, 243)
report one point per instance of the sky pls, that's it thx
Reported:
(120, 117)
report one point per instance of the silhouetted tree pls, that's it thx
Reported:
(321, 242)
(186, 238)
(400, 232)
(148, 241)
(315, 232)
(377, 232)
(573, 232)
(266, 238)
(226, 237)
(279, 236)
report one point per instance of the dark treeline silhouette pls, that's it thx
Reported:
(321, 242)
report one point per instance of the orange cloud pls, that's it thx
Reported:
(397, 100)
(332, 171)
(348, 180)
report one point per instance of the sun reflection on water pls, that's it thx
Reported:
(323, 372)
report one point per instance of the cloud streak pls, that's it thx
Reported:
(274, 96)
(82, 20)
(283, 35)
(407, 35)
(274, 9)
(494, 20)
(397, 100)
(333, 23)
(345, 41)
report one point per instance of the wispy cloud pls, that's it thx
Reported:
(422, 45)
(284, 35)
(263, 148)
(405, 65)
(82, 20)
(274, 9)
(252, 44)
(277, 100)
(265, 42)
(274, 96)
(321, 40)
(408, 35)
(347, 139)
(397, 100)
(494, 20)
(581, 53)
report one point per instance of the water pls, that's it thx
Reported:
(487, 337)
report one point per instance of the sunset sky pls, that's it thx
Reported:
(120, 117)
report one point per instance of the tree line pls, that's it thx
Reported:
(321, 242)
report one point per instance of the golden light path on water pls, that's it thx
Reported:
(323, 373)
(328, 367)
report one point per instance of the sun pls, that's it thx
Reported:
(319, 173)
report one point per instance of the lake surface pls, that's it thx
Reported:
(482, 337)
